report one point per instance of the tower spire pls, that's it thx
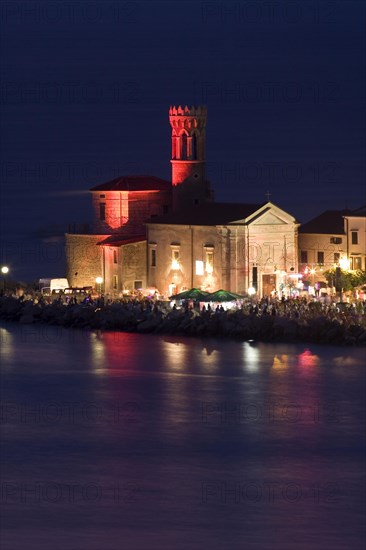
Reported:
(188, 155)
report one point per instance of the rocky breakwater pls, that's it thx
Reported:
(132, 317)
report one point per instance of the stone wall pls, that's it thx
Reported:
(133, 258)
(191, 243)
(83, 259)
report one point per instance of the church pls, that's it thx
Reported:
(149, 233)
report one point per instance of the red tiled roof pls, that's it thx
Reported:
(210, 213)
(119, 240)
(134, 183)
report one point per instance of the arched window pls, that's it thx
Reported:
(183, 146)
(194, 147)
(174, 145)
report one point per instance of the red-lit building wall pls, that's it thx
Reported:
(126, 211)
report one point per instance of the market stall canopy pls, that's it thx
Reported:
(192, 294)
(222, 296)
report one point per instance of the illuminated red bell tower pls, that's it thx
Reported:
(188, 156)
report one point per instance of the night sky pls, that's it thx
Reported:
(86, 87)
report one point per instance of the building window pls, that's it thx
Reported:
(183, 155)
(137, 285)
(354, 237)
(336, 240)
(102, 196)
(115, 282)
(115, 258)
(102, 210)
(209, 261)
(194, 147)
(304, 256)
(153, 257)
(336, 257)
(320, 258)
(199, 267)
(175, 256)
(356, 262)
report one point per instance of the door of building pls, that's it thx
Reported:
(268, 284)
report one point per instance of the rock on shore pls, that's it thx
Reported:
(230, 324)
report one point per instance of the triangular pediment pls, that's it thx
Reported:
(270, 218)
(268, 214)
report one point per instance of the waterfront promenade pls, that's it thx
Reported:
(291, 320)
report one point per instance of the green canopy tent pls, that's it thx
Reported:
(222, 296)
(192, 294)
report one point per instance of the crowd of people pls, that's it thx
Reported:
(292, 308)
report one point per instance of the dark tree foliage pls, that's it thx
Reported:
(348, 280)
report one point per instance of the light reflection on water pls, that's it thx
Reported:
(200, 439)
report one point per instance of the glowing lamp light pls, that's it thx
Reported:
(175, 264)
(344, 263)
(4, 270)
(99, 280)
(251, 290)
(209, 268)
(312, 271)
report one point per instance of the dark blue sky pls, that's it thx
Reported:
(86, 87)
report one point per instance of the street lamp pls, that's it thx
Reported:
(99, 281)
(344, 264)
(4, 271)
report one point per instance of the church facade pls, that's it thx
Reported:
(171, 236)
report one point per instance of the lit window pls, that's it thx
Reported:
(175, 256)
(321, 258)
(209, 261)
(115, 259)
(354, 237)
(115, 282)
(199, 267)
(356, 262)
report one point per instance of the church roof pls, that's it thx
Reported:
(330, 221)
(134, 183)
(209, 213)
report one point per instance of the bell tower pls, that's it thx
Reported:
(188, 156)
